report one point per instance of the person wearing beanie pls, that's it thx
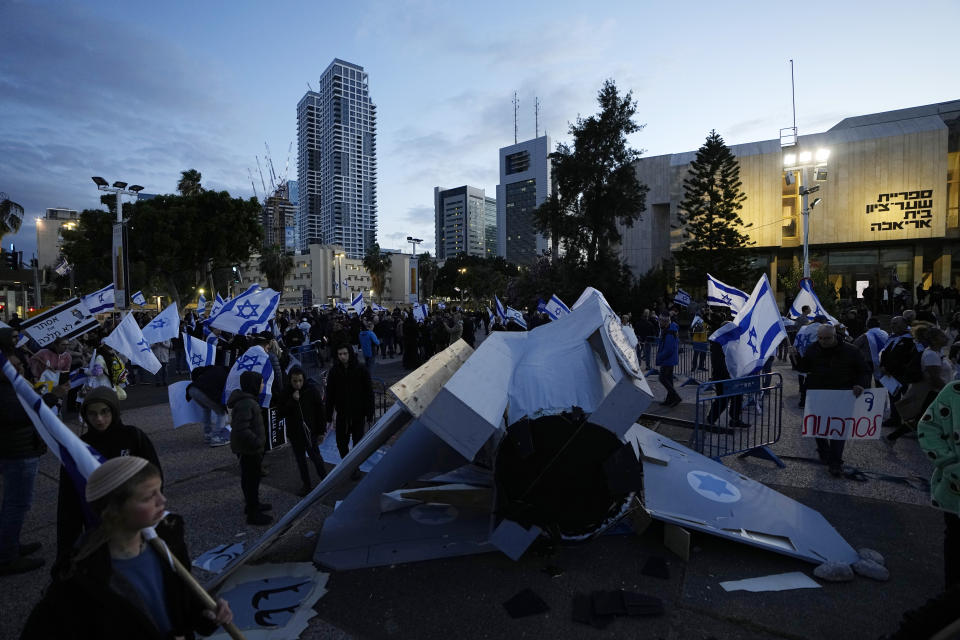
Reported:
(247, 439)
(301, 405)
(111, 438)
(20, 451)
(115, 585)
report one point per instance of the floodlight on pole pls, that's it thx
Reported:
(803, 161)
(120, 263)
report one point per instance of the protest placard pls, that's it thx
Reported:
(837, 415)
(68, 320)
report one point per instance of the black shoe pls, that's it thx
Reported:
(30, 547)
(264, 506)
(836, 470)
(259, 519)
(675, 401)
(20, 565)
(739, 424)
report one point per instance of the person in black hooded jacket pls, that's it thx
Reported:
(301, 405)
(248, 438)
(111, 438)
(350, 394)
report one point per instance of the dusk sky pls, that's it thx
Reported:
(141, 91)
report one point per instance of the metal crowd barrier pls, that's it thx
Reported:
(739, 416)
(382, 399)
(693, 362)
(309, 361)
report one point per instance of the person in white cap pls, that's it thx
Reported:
(116, 585)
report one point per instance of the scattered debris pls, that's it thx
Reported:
(656, 567)
(834, 572)
(526, 603)
(872, 570)
(777, 582)
(870, 554)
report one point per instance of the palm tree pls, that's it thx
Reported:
(376, 264)
(189, 184)
(11, 215)
(427, 267)
(276, 265)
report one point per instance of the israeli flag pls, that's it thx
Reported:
(357, 303)
(378, 308)
(249, 312)
(164, 326)
(128, 340)
(490, 315)
(516, 316)
(498, 308)
(805, 337)
(807, 298)
(62, 268)
(78, 377)
(555, 308)
(253, 359)
(876, 339)
(724, 295)
(217, 305)
(99, 301)
(199, 353)
(342, 307)
(201, 305)
(138, 298)
(418, 313)
(754, 335)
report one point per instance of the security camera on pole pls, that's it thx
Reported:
(119, 259)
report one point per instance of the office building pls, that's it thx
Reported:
(524, 185)
(337, 162)
(887, 203)
(278, 218)
(465, 221)
(49, 236)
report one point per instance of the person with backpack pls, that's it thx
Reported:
(894, 358)
(936, 372)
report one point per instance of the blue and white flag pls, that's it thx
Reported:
(342, 306)
(77, 457)
(249, 312)
(807, 298)
(99, 301)
(490, 315)
(418, 313)
(199, 353)
(754, 335)
(217, 305)
(498, 309)
(138, 298)
(555, 308)
(682, 298)
(164, 326)
(62, 268)
(377, 307)
(357, 303)
(201, 305)
(877, 339)
(78, 377)
(724, 295)
(806, 336)
(253, 359)
(128, 340)
(515, 316)
(441, 305)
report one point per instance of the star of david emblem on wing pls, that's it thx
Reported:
(247, 310)
(751, 342)
(247, 363)
(714, 485)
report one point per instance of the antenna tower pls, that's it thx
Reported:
(516, 105)
(536, 117)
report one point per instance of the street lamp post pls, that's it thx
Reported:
(414, 242)
(121, 270)
(804, 161)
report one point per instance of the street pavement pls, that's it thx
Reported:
(462, 597)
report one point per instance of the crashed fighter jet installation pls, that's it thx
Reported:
(534, 434)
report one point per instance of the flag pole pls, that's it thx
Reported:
(208, 602)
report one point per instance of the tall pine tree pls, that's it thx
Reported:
(710, 210)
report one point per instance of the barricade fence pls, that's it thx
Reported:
(693, 361)
(739, 416)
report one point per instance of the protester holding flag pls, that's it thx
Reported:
(116, 585)
(668, 355)
(20, 451)
(206, 389)
(248, 437)
(831, 364)
(350, 396)
(111, 438)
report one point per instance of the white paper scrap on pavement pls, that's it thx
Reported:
(214, 560)
(273, 601)
(331, 455)
(776, 582)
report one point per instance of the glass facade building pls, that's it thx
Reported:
(524, 186)
(465, 222)
(337, 162)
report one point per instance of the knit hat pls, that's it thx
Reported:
(111, 474)
(105, 395)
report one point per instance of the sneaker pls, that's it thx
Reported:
(20, 565)
(836, 470)
(259, 519)
(219, 442)
(30, 547)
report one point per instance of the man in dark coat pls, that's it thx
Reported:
(350, 395)
(301, 404)
(831, 364)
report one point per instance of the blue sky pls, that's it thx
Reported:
(141, 91)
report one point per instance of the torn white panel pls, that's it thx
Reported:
(778, 582)
(273, 601)
(331, 455)
(214, 560)
(513, 539)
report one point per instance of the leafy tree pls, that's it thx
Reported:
(427, 268)
(276, 264)
(88, 247)
(826, 292)
(189, 184)
(596, 187)
(478, 278)
(11, 215)
(377, 263)
(710, 210)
